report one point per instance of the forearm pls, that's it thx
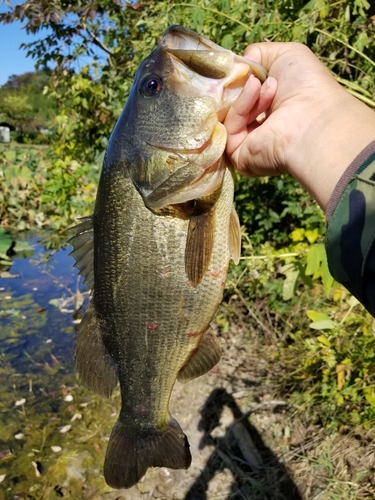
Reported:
(331, 143)
(350, 239)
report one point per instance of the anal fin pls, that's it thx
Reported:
(203, 359)
(93, 363)
(234, 236)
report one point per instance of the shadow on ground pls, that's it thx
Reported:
(257, 473)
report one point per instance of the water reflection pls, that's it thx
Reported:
(46, 418)
(33, 318)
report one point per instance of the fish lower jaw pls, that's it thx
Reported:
(204, 185)
(210, 167)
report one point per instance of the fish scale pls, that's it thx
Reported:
(161, 236)
(132, 300)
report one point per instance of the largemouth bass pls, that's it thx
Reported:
(155, 252)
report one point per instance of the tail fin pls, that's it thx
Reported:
(129, 455)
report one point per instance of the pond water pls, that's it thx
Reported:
(52, 430)
(38, 302)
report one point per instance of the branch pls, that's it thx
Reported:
(97, 42)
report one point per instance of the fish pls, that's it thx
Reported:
(155, 251)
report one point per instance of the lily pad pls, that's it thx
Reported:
(5, 243)
(9, 312)
(23, 249)
(19, 172)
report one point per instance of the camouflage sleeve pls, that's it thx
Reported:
(350, 238)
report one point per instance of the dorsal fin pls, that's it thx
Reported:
(83, 249)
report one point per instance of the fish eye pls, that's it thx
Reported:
(151, 86)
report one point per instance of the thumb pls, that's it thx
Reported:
(267, 53)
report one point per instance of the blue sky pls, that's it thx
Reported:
(13, 59)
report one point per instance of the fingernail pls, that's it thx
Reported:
(265, 85)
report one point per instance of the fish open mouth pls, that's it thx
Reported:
(204, 56)
(208, 78)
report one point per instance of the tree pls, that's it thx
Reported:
(91, 46)
(15, 109)
(94, 47)
(24, 105)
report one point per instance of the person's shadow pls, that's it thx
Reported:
(257, 473)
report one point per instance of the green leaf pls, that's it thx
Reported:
(227, 41)
(54, 302)
(19, 172)
(4, 262)
(326, 276)
(7, 274)
(298, 234)
(362, 41)
(9, 312)
(323, 340)
(306, 279)
(317, 316)
(315, 255)
(22, 246)
(23, 249)
(326, 324)
(289, 284)
(323, 8)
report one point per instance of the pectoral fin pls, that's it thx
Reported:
(199, 245)
(94, 365)
(234, 236)
(203, 359)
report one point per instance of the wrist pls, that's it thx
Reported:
(333, 140)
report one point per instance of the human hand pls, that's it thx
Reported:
(314, 128)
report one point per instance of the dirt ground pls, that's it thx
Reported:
(247, 443)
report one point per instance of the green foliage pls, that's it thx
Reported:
(5, 243)
(38, 191)
(20, 187)
(69, 191)
(95, 48)
(338, 364)
(271, 208)
(15, 107)
(324, 336)
(25, 107)
(107, 39)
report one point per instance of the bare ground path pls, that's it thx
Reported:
(248, 444)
